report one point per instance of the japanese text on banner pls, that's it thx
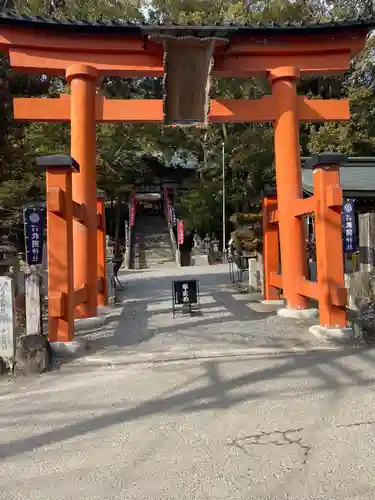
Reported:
(34, 219)
(180, 232)
(349, 227)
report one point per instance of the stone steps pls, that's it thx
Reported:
(152, 247)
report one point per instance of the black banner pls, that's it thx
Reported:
(34, 220)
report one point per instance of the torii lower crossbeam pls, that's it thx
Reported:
(151, 110)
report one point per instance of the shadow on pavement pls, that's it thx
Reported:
(217, 392)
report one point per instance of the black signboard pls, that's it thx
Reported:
(185, 293)
(34, 220)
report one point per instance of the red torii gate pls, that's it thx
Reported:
(82, 52)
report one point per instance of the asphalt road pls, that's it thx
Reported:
(263, 412)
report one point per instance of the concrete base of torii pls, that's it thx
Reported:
(298, 313)
(79, 346)
(339, 335)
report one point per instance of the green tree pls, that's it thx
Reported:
(124, 151)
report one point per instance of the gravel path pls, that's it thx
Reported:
(227, 321)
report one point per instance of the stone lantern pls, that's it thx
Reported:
(8, 257)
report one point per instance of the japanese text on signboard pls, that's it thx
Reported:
(185, 292)
(34, 219)
(349, 229)
(7, 331)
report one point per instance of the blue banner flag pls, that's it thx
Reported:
(349, 227)
(34, 220)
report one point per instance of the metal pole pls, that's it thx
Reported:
(224, 211)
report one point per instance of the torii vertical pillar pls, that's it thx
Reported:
(83, 81)
(59, 170)
(102, 253)
(328, 231)
(289, 183)
(270, 247)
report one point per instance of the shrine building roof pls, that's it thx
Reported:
(357, 177)
(226, 29)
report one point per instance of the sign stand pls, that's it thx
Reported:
(185, 293)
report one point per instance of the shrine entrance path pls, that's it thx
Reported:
(264, 416)
(228, 321)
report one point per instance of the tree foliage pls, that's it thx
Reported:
(125, 151)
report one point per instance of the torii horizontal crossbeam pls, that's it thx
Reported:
(151, 110)
(131, 65)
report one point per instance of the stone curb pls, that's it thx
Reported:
(199, 355)
(276, 303)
